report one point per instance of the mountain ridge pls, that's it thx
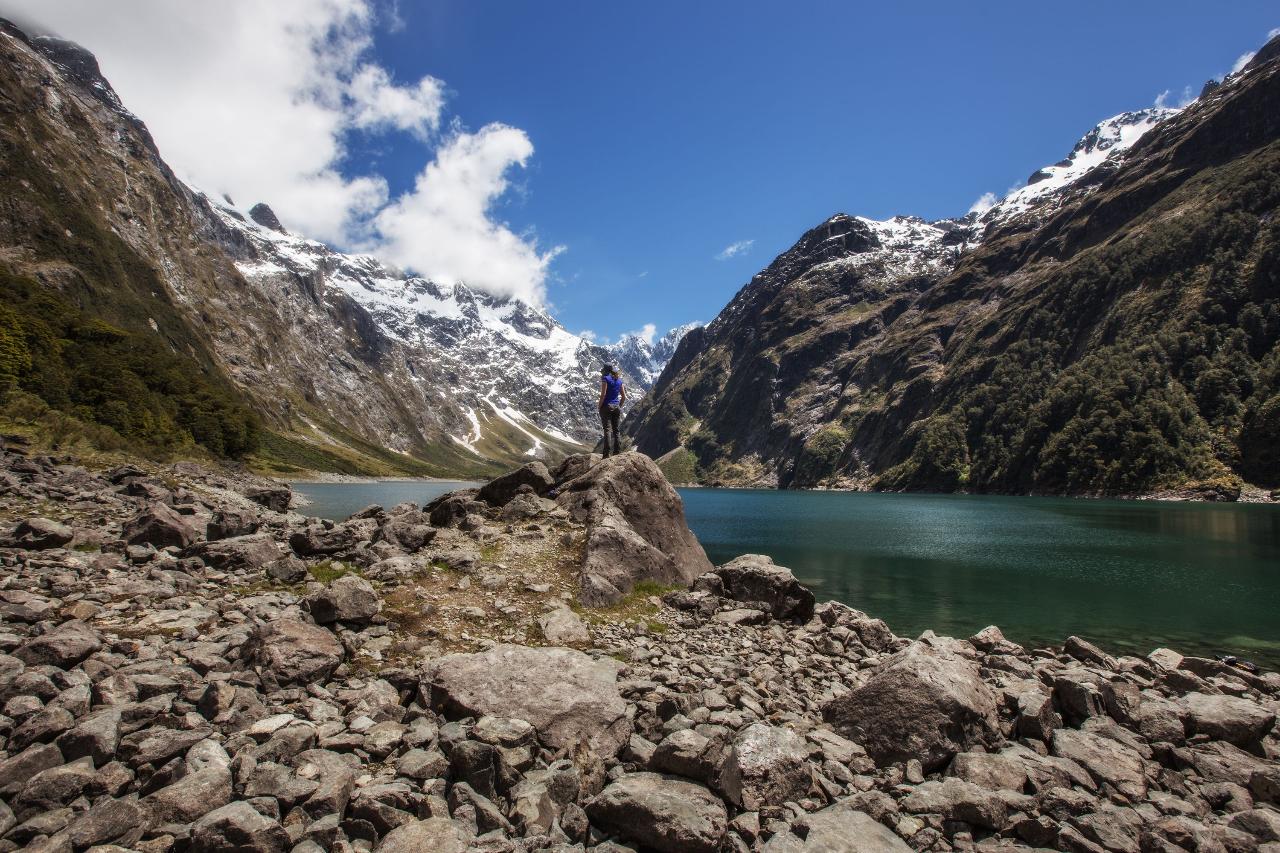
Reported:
(831, 367)
(346, 373)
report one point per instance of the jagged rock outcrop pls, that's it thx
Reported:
(635, 528)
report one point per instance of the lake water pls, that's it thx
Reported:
(1128, 575)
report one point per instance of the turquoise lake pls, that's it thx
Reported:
(1128, 575)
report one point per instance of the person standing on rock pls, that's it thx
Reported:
(612, 396)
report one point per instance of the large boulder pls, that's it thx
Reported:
(1231, 718)
(275, 498)
(292, 652)
(569, 698)
(226, 523)
(410, 532)
(38, 534)
(437, 834)
(160, 526)
(239, 553)
(237, 826)
(1107, 761)
(63, 647)
(839, 828)
(956, 799)
(636, 529)
(350, 598)
(928, 701)
(499, 490)
(766, 766)
(661, 813)
(755, 580)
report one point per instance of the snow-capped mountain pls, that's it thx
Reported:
(489, 370)
(353, 365)
(643, 358)
(1098, 153)
(769, 380)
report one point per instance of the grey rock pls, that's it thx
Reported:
(663, 813)
(63, 647)
(275, 498)
(239, 553)
(227, 523)
(500, 490)
(563, 627)
(1237, 721)
(159, 526)
(956, 799)
(190, 797)
(766, 766)
(294, 652)
(108, 819)
(437, 834)
(926, 702)
(1106, 760)
(755, 580)
(237, 826)
(569, 698)
(836, 829)
(18, 768)
(287, 570)
(636, 529)
(350, 598)
(38, 534)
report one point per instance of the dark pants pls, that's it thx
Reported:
(609, 416)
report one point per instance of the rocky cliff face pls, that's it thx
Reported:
(1110, 328)
(354, 365)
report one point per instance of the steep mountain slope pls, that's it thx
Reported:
(1111, 328)
(352, 365)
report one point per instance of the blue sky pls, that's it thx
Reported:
(604, 155)
(664, 132)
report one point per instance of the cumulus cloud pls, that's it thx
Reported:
(261, 102)
(645, 333)
(443, 228)
(1167, 99)
(734, 249)
(1243, 60)
(985, 202)
(380, 104)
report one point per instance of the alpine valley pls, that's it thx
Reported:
(1110, 328)
(269, 344)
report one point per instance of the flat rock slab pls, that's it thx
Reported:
(836, 829)
(570, 699)
(661, 813)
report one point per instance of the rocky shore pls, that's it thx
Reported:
(550, 662)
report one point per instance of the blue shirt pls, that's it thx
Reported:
(614, 392)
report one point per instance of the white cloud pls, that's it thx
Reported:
(442, 229)
(646, 333)
(588, 335)
(985, 202)
(379, 104)
(261, 101)
(1166, 99)
(1273, 33)
(733, 249)
(1243, 60)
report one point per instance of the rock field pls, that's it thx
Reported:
(551, 663)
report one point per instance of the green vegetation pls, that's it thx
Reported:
(84, 367)
(327, 571)
(679, 466)
(820, 455)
